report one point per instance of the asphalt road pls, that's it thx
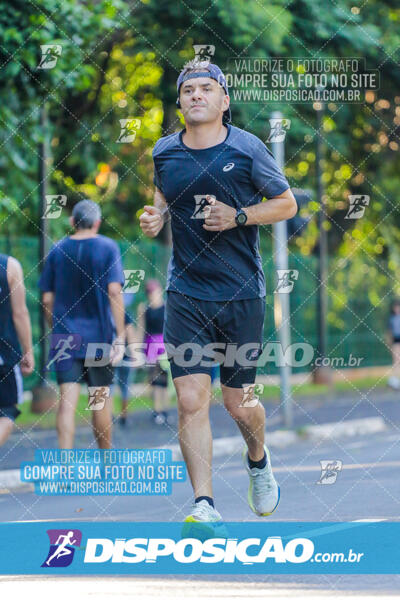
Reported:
(368, 487)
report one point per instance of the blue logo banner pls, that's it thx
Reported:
(90, 548)
(103, 472)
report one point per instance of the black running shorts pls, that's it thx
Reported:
(191, 325)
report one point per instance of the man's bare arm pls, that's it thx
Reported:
(117, 307)
(118, 312)
(48, 303)
(276, 209)
(20, 314)
(222, 216)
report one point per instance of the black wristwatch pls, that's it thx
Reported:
(241, 217)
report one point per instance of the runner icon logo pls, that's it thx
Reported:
(286, 279)
(50, 55)
(54, 205)
(329, 471)
(203, 53)
(97, 397)
(203, 207)
(62, 547)
(129, 128)
(133, 278)
(250, 397)
(62, 348)
(279, 127)
(357, 205)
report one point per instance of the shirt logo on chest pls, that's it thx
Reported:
(228, 167)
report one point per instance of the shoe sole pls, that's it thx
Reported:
(249, 493)
(202, 529)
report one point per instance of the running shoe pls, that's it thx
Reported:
(203, 522)
(264, 492)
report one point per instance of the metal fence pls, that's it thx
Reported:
(356, 328)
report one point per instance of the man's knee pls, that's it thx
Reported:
(192, 399)
(235, 409)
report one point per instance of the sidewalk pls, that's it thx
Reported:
(317, 418)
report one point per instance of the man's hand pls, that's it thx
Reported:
(151, 221)
(27, 363)
(221, 216)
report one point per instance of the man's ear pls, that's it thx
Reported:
(226, 102)
(96, 225)
(71, 221)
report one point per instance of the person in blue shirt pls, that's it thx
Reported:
(16, 352)
(81, 284)
(211, 178)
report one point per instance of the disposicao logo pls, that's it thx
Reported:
(190, 550)
(62, 547)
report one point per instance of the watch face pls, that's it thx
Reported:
(241, 218)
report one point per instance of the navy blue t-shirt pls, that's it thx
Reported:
(78, 272)
(240, 171)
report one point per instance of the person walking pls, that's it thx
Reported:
(81, 287)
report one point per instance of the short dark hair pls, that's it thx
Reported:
(85, 214)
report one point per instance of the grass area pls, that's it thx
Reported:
(270, 394)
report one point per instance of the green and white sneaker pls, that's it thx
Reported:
(264, 492)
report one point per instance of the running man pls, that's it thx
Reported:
(81, 283)
(15, 333)
(62, 549)
(215, 284)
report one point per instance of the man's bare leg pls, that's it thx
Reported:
(193, 394)
(65, 420)
(6, 427)
(264, 492)
(249, 419)
(102, 425)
